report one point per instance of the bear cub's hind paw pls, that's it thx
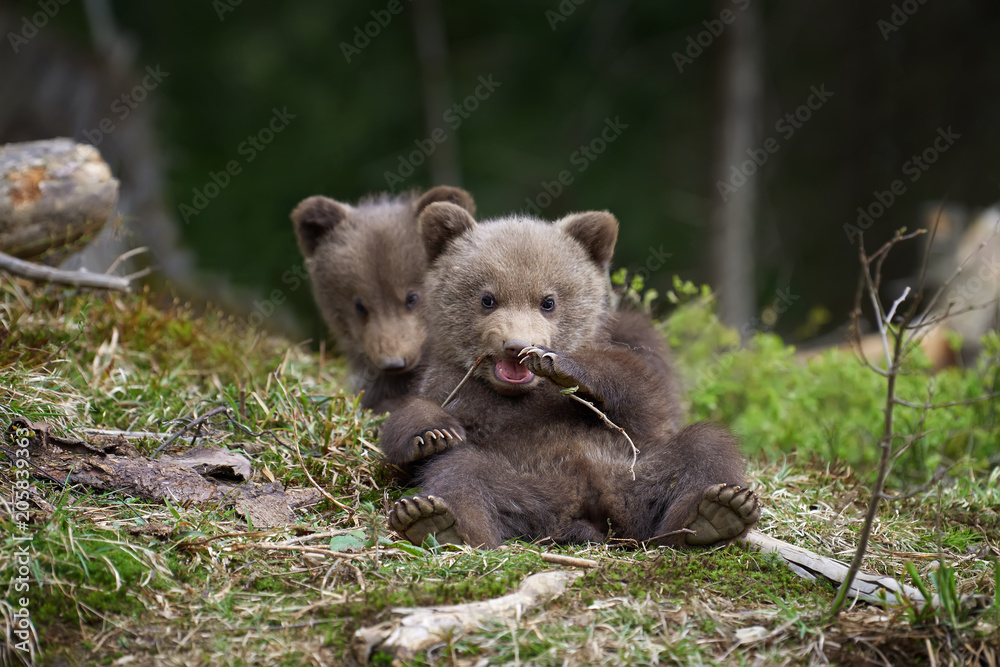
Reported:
(417, 517)
(725, 512)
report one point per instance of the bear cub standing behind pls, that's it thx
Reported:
(367, 267)
(511, 456)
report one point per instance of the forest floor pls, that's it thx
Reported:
(112, 579)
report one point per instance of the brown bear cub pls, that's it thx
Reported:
(367, 266)
(510, 455)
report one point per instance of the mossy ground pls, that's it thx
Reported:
(114, 579)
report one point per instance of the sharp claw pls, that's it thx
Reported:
(438, 433)
(419, 440)
(404, 506)
(423, 505)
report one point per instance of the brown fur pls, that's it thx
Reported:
(525, 460)
(367, 266)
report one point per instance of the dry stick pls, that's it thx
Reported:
(128, 435)
(313, 481)
(611, 424)
(467, 375)
(197, 422)
(570, 561)
(124, 256)
(19, 267)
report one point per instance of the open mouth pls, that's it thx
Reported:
(510, 370)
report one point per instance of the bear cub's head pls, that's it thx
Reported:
(498, 286)
(367, 265)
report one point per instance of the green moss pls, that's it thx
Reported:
(733, 572)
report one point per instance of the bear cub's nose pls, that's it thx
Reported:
(514, 346)
(392, 365)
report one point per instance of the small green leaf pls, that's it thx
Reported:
(569, 390)
(348, 542)
(411, 549)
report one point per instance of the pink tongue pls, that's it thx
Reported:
(511, 370)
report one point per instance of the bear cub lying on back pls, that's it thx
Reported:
(510, 455)
(367, 266)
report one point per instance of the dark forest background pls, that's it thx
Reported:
(898, 73)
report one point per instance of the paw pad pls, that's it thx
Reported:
(417, 517)
(725, 512)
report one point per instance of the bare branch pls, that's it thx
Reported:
(37, 272)
(126, 256)
(968, 401)
(944, 288)
(611, 424)
(454, 391)
(938, 476)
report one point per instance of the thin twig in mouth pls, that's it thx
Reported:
(459, 385)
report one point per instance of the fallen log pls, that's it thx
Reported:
(55, 195)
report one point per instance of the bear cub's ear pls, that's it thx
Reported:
(314, 218)
(441, 222)
(596, 231)
(446, 193)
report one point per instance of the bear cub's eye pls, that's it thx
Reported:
(489, 301)
(360, 307)
(548, 303)
(411, 300)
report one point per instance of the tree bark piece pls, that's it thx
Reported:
(119, 467)
(419, 628)
(54, 194)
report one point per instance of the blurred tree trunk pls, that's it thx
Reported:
(432, 55)
(739, 120)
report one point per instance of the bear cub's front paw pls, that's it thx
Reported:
(540, 361)
(435, 440)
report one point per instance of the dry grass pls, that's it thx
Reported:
(114, 580)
